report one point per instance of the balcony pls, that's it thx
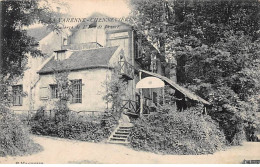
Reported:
(126, 70)
(132, 108)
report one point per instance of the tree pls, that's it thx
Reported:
(216, 44)
(15, 43)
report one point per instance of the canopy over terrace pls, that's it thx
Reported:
(187, 93)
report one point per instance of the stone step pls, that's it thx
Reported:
(122, 133)
(124, 130)
(117, 139)
(119, 142)
(120, 136)
(125, 127)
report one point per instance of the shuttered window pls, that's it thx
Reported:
(17, 95)
(44, 93)
(77, 91)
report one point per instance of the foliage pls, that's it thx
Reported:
(15, 45)
(15, 42)
(14, 136)
(16, 16)
(72, 125)
(232, 126)
(69, 124)
(187, 132)
(116, 90)
(64, 91)
(79, 127)
(216, 45)
(251, 132)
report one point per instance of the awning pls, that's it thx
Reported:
(150, 82)
(187, 93)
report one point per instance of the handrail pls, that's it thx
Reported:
(131, 106)
(126, 68)
(126, 63)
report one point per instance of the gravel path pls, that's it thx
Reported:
(63, 151)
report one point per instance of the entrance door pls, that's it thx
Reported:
(137, 97)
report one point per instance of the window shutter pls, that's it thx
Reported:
(44, 93)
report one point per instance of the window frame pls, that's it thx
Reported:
(17, 94)
(54, 91)
(77, 91)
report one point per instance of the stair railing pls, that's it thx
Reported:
(126, 68)
(131, 106)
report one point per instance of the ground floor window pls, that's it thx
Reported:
(77, 91)
(17, 95)
(54, 91)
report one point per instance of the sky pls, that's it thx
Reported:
(84, 8)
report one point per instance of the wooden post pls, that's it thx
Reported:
(141, 96)
(157, 97)
(163, 92)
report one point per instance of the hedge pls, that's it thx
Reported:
(78, 127)
(15, 137)
(174, 132)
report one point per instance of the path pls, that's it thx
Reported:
(69, 151)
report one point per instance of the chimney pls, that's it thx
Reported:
(58, 9)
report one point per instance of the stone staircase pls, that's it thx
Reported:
(120, 135)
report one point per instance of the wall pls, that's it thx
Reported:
(88, 35)
(47, 45)
(93, 90)
(122, 39)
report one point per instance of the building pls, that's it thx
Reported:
(89, 52)
(47, 42)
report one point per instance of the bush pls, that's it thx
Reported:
(67, 124)
(14, 137)
(187, 132)
(85, 128)
(232, 127)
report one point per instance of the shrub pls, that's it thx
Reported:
(232, 127)
(78, 127)
(187, 132)
(67, 124)
(116, 90)
(14, 137)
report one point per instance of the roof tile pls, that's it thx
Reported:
(81, 60)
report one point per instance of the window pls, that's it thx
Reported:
(65, 41)
(77, 91)
(138, 49)
(155, 98)
(54, 91)
(17, 95)
(61, 56)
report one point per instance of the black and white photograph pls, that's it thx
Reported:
(130, 82)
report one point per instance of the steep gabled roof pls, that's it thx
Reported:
(79, 60)
(39, 33)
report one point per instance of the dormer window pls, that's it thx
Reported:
(60, 55)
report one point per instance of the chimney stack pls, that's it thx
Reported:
(58, 9)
